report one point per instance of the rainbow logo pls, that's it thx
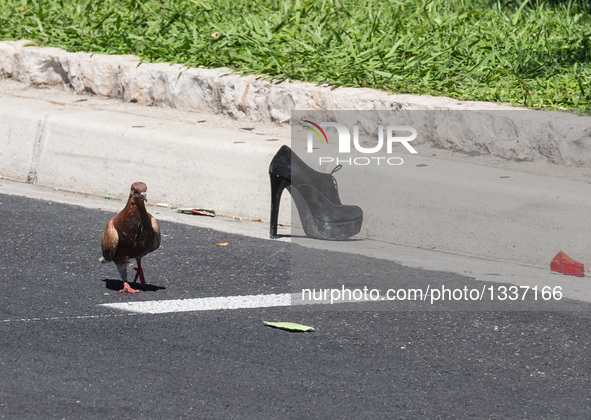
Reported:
(318, 130)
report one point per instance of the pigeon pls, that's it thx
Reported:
(133, 233)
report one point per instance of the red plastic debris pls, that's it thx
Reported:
(562, 263)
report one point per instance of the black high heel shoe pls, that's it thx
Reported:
(316, 197)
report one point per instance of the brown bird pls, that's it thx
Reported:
(133, 233)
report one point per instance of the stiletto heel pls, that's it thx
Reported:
(278, 184)
(316, 197)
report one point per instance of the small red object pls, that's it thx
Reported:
(564, 264)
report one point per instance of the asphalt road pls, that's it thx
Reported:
(63, 356)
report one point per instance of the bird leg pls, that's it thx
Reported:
(139, 272)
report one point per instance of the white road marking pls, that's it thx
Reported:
(63, 318)
(203, 304)
(188, 305)
(221, 303)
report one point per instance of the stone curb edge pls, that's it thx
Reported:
(220, 91)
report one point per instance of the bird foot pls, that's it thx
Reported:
(127, 288)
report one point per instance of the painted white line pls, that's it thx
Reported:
(62, 318)
(203, 304)
(221, 303)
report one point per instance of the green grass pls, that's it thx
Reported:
(532, 53)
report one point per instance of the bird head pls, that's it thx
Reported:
(138, 190)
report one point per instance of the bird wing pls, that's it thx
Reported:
(156, 229)
(109, 241)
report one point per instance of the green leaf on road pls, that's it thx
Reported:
(289, 326)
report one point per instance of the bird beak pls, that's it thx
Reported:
(144, 196)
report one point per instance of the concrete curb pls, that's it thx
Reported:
(560, 138)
